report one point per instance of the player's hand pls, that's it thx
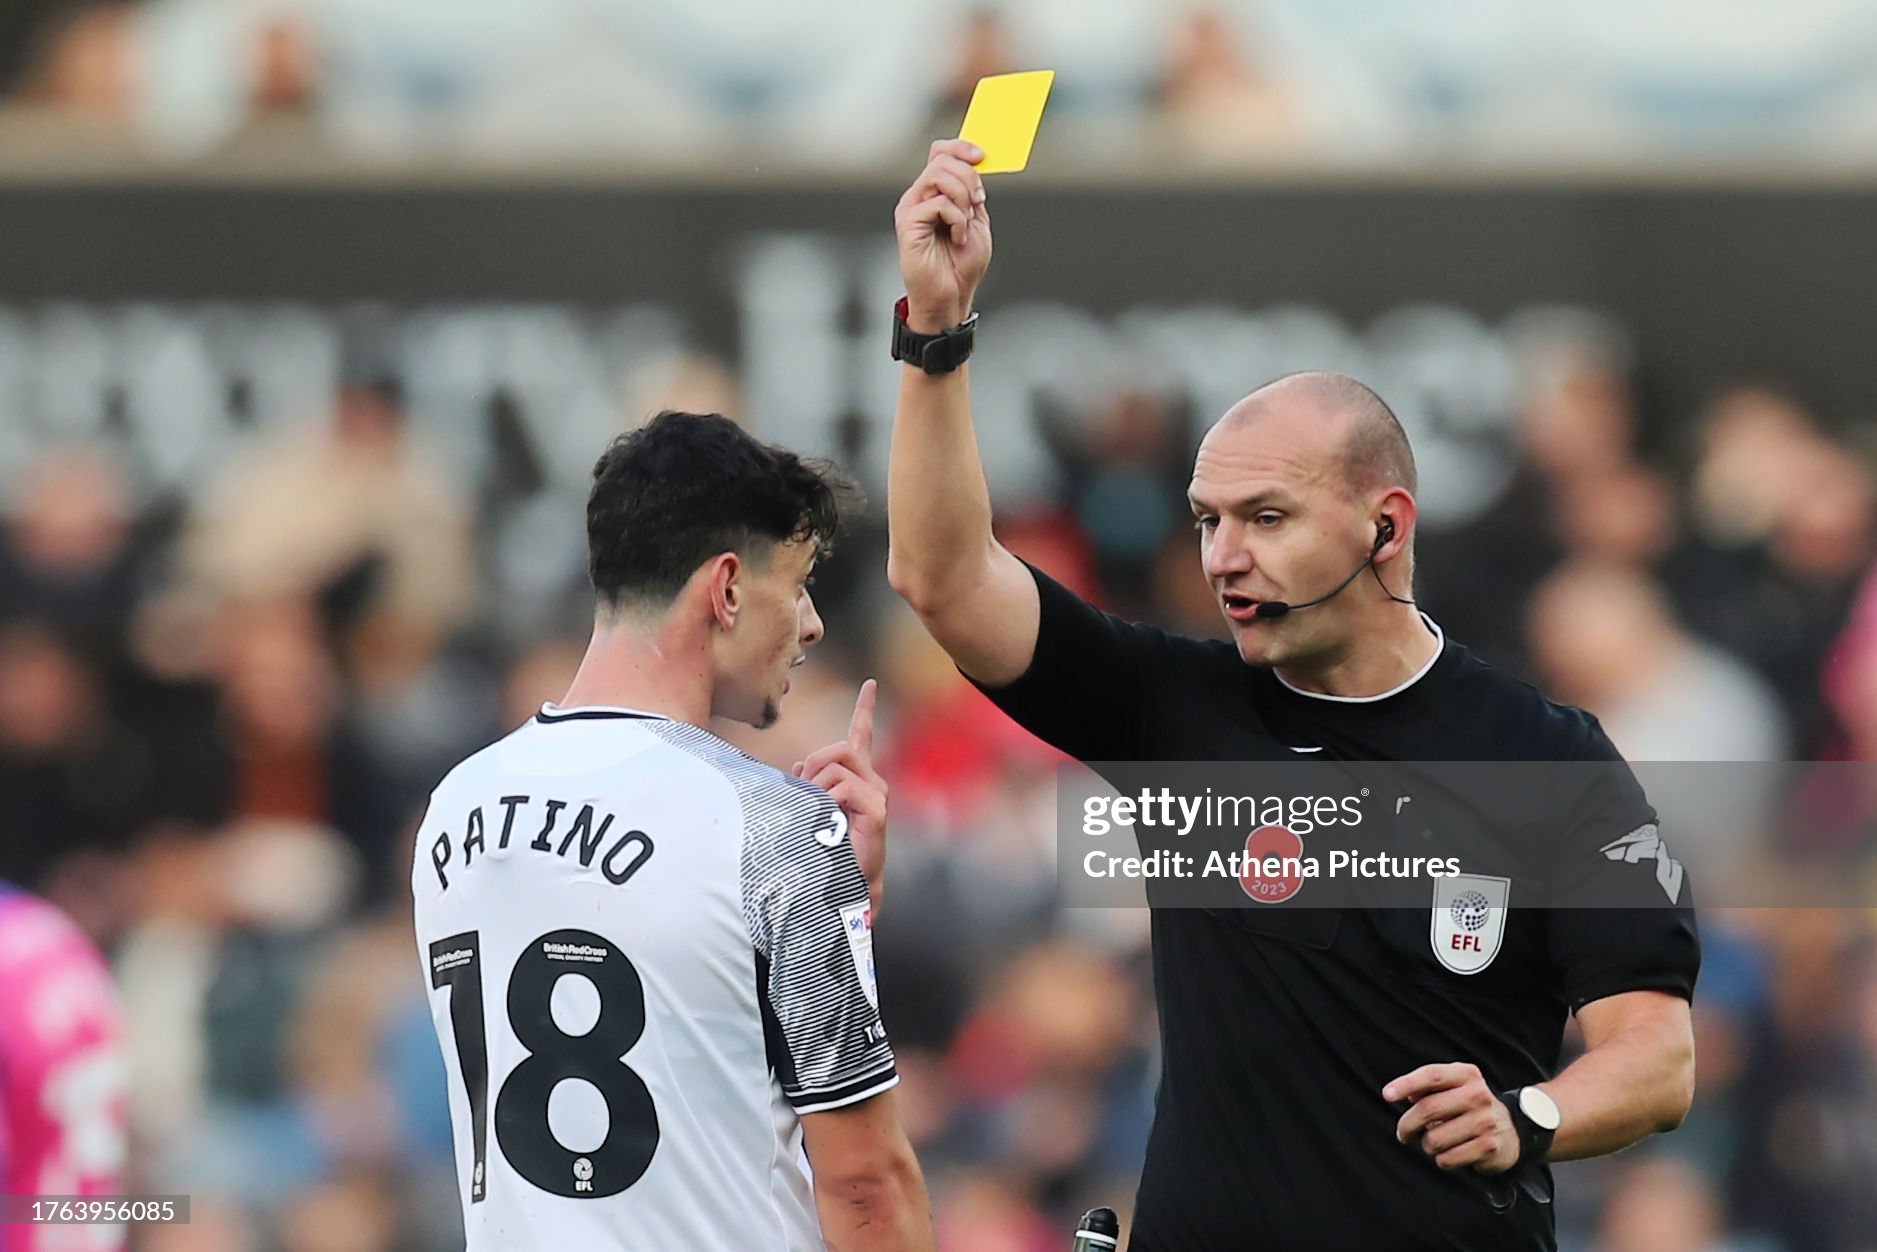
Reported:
(1456, 1118)
(944, 234)
(844, 770)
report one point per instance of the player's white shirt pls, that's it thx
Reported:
(647, 953)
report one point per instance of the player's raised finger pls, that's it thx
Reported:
(860, 725)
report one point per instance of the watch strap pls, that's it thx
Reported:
(935, 354)
(1529, 1172)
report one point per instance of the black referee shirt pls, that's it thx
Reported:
(1279, 1029)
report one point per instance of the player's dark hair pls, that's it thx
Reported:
(686, 487)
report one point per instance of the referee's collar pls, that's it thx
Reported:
(551, 712)
(1440, 647)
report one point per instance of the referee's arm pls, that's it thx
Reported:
(1635, 1079)
(1623, 939)
(1636, 1076)
(972, 594)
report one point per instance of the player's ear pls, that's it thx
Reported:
(724, 578)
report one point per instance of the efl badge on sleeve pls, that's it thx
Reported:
(1469, 920)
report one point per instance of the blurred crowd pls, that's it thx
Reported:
(221, 714)
(1207, 81)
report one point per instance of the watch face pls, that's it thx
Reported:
(1541, 1108)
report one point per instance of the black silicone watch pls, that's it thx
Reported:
(1535, 1115)
(935, 354)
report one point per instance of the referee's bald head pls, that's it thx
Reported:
(1357, 424)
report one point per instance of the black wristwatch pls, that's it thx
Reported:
(1537, 1118)
(935, 354)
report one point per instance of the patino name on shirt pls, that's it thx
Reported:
(584, 835)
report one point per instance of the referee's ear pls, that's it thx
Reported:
(1395, 514)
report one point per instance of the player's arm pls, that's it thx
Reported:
(868, 1188)
(973, 595)
(813, 930)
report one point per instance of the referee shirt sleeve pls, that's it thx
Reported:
(1088, 690)
(1622, 915)
(812, 925)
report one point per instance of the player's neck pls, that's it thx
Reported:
(653, 673)
(1390, 650)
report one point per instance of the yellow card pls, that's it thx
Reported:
(1002, 119)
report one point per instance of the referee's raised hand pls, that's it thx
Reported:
(944, 235)
(844, 769)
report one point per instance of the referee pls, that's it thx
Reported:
(1331, 1085)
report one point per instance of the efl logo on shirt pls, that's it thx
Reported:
(857, 924)
(1469, 920)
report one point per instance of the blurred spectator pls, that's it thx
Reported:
(1223, 80)
(1623, 517)
(1662, 1205)
(69, 777)
(1219, 102)
(280, 700)
(164, 966)
(1127, 464)
(87, 63)
(66, 557)
(354, 511)
(355, 1212)
(952, 745)
(1577, 432)
(285, 74)
(364, 1060)
(1790, 520)
(228, 934)
(1605, 639)
(983, 48)
(979, 1212)
(22, 29)
(1849, 680)
(1750, 468)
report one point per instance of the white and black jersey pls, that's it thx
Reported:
(648, 953)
